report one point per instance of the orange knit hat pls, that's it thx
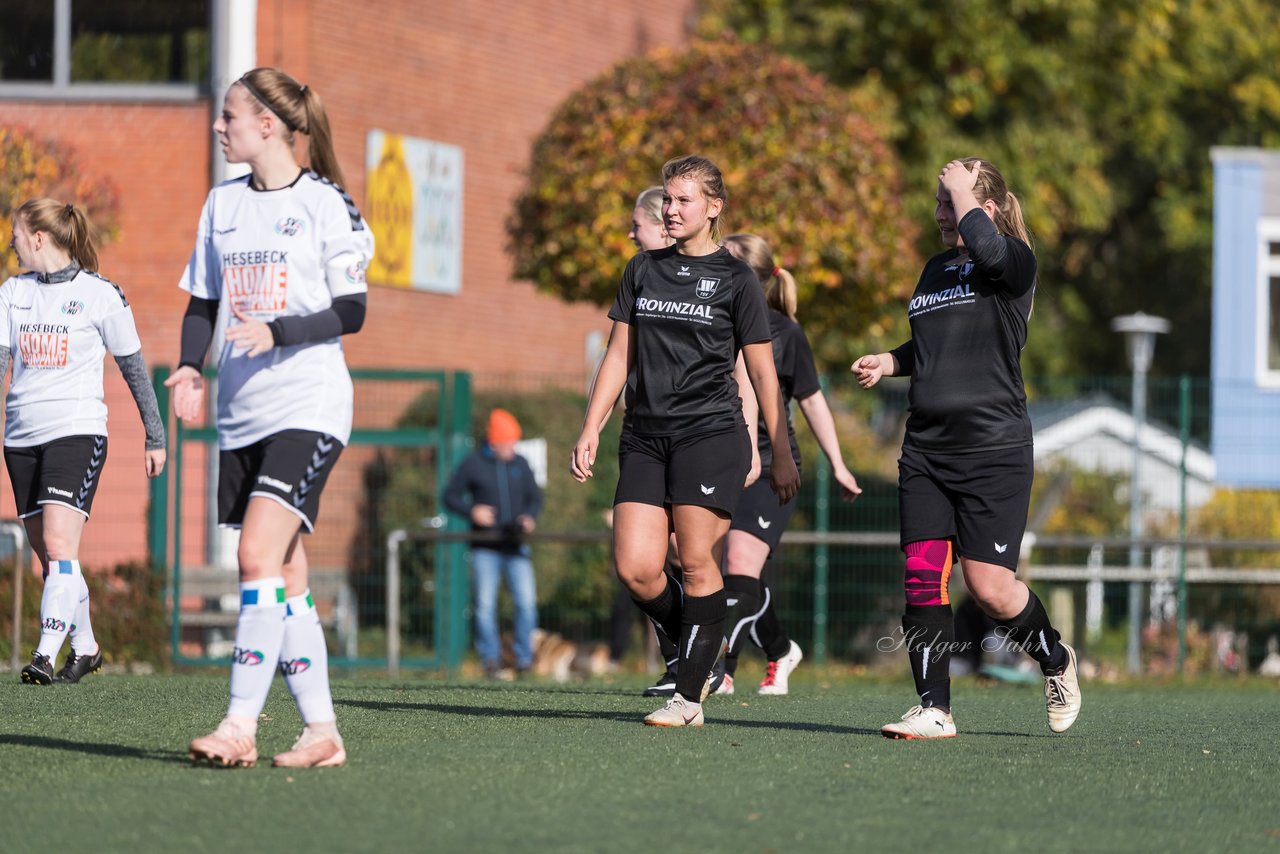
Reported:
(503, 427)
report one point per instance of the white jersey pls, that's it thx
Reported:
(290, 251)
(58, 334)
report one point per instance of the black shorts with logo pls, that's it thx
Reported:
(980, 499)
(290, 467)
(760, 515)
(65, 471)
(703, 469)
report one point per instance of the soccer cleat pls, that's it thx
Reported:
(313, 749)
(920, 722)
(78, 666)
(228, 746)
(664, 687)
(717, 675)
(39, 671)
(726, 685)
(677, 712)
(775, 678)
(1062, 694)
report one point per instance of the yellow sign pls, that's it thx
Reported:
(414, 206)
(389, 212)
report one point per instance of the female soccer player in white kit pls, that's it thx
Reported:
(277, 276)
(59, 320)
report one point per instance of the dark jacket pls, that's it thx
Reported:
(507, 487)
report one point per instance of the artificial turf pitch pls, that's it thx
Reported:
(438, 766)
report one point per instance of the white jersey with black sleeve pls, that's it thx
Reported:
(58, 329)
(272, 253)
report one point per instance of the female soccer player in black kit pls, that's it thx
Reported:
(964, 479)
(758, 521)
(681, 317)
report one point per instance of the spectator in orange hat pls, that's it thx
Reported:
(495, 489)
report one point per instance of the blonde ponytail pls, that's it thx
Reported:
(66, 225)
(779, 285)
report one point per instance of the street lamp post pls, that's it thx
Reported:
(1140, 331)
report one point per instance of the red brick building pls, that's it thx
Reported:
(481, 75)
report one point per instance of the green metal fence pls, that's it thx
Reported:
(409, 427)
(837, 575)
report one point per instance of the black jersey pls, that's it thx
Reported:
(797, 378)
(969, 318)
(689, 317)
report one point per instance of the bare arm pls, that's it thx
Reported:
(818, 414)
(751, 412)
(783, 476)
(869, 369)
(611, 377)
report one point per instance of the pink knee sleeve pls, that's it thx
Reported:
(928, 571)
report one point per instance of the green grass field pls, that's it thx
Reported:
(438, 766)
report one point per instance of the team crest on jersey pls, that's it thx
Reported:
(290, 226)
(72, 306)
(355, 273)
(706, 287)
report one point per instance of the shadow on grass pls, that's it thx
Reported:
(516, 687)
(115, 751)
(571, 714)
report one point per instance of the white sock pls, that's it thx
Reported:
(82, 640)
(304, 661)
(259, 633)
(58, 605)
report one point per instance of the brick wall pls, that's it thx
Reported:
(483, 75)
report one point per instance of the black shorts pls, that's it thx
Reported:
(760, 515)
(65, 471)
(703, 469)
(290, 467)
(979, 499)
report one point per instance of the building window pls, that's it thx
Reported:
(94, 50)
(1269, 302)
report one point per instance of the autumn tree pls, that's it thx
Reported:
(31, 168)
(807, 166)
(1101, 114)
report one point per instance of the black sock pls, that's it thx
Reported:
(742, 598)
(669, 651)
(664, 609)
(701, 636)
(929, 632)
(770, 635)
(622, 619)
(1032, 631)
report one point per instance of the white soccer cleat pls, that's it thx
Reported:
(228, 746)
(920, 722)
(779, 672)
(313, 749)
(677, 712)
(726, 685)
(1062, 694)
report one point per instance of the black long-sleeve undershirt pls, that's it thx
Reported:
(345, 316)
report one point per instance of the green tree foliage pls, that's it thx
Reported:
(806, 165)
(1101, 115)
(31, 168)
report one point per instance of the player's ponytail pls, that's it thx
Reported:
(778, 283)
(324, 162)
(66, 225)
(992, 185)
(300, 109)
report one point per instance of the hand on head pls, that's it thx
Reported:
(956, 177)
